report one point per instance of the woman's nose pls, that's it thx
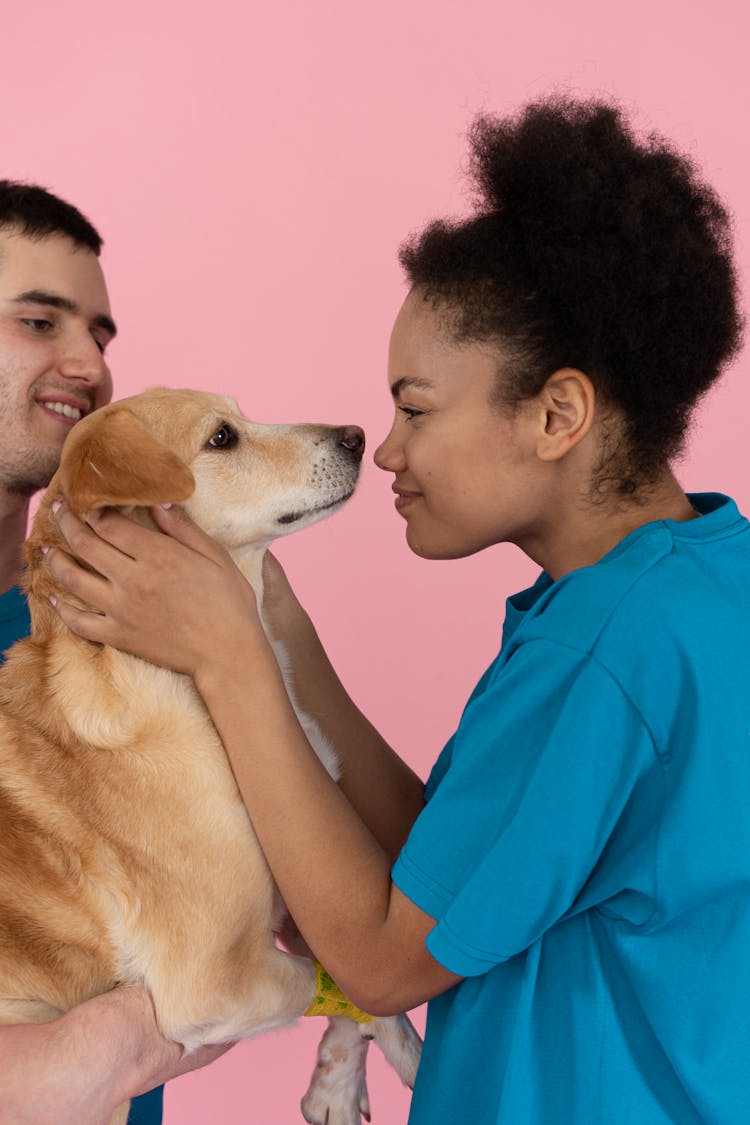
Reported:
(389, 455)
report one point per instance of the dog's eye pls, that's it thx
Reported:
(224, 438)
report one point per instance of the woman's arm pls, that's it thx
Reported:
(178, 600)
(386, 793)
(332, 873)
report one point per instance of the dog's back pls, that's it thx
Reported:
(53, 943)
(122, 827)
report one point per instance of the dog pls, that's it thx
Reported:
(126, 853)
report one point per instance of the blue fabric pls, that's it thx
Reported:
(585, 849)
(147, 1110)
(15, 623)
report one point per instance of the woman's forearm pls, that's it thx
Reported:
(317, 846)
(385, 792)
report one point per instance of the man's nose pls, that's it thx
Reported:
(84, 361)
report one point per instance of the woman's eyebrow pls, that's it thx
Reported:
(56, 301)
(411, 381)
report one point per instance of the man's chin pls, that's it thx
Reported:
(30, 477)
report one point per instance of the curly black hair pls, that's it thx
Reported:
(590, 248)
(37, 213)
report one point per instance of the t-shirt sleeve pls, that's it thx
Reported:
(541, 769)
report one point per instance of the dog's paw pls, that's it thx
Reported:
(320, 1107)
(399, 1042)
(338, 1089)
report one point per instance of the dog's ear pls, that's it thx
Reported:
(114, 460)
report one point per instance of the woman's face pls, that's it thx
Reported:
(465, 471)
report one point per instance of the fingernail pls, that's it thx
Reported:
(44, 550)
(165, 506)
(53, 599)
(56, 506)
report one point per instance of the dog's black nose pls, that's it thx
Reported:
(353, 439)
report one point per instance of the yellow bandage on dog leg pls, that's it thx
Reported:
(330, 1000)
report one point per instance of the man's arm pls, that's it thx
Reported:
(82, 1066)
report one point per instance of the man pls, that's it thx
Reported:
(55, 325)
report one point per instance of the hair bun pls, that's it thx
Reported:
(568, 173)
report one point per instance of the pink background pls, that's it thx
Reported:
(253, 169)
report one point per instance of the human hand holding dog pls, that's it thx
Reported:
(176, 599)
(286, 618)
(89, 1061)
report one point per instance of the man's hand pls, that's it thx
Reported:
(82, 1066)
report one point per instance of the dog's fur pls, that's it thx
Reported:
(126, 853)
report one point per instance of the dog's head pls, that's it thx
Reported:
(244, 483)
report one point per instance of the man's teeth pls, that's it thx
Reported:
(63, 408)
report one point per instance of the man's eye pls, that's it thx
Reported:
(410, 412)
(38, 324)
(224, 438)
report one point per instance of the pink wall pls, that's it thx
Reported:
(253, 169)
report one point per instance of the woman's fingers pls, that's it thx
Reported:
(170, 594)
(85, 543)
(282, 611)
(177, 524)
(88, 587)
(90, 626)
(131, 539)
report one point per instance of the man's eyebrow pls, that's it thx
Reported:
(56, 301)
(411, 381)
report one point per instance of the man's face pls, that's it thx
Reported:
(55, 324)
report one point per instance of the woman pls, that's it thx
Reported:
(571, 890)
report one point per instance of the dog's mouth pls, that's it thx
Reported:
(293, 517)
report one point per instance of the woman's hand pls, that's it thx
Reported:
(286, 619)
(176, 599)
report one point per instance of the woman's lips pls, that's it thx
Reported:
(404, 498)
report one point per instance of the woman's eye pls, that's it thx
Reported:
(410, 412)
(224, 438)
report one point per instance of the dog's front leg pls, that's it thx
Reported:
(337, 1094)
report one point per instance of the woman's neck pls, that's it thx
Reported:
(581, 533)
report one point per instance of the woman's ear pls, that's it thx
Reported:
(567, 403)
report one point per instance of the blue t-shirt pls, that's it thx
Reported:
(585, 849)
(14, 624)
(14, 619)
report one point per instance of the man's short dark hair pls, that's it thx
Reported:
(38, 213)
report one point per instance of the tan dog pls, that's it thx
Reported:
(126, 853)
